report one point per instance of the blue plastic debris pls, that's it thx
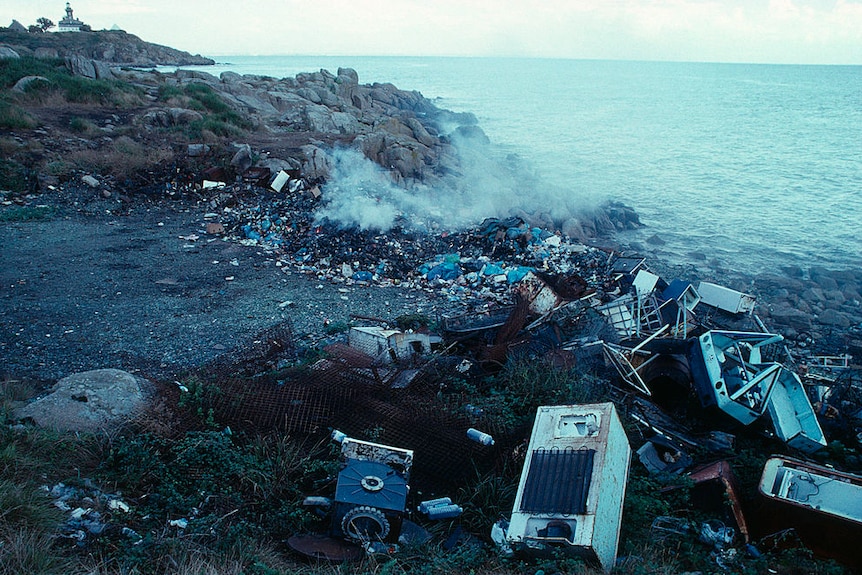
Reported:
(444, 271)
(513, 233)
(514, 275)
(363, 276)
(250, 233)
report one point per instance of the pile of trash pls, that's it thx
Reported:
(696, 370)
(470, 267)
(90, 511)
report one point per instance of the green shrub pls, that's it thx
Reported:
(85, 91)
(511, 397)
(169, 91)
(60, 168)
(13, 176)
(219, 119)
(13, 117)
(13, 69)
(82, 126)
(26, 213)
(77, 89)
(336, 327)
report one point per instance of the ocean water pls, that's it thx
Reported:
(732, 166)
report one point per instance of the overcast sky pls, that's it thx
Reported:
(776, 31)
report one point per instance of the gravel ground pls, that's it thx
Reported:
(83, 292)
(147, 290)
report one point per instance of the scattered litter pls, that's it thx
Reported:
(480, 437)
(280, 179)
(117, 505)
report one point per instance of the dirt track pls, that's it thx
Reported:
(96, 291)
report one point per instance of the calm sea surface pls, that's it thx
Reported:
(751, 167)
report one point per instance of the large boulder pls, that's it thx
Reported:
(7, 52)
(22, 84)
(92, 401)
(81, 66)
(103, 70)
(316, 164)
(347, 76)
(783, 314)
(242, 159)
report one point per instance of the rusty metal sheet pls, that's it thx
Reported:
(324, 547)
(720, 473)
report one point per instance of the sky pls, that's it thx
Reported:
(763, 31)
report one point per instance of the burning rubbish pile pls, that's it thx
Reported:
(285, 219)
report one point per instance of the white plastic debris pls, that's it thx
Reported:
(118, 505)
(279, 181)
(480, 437)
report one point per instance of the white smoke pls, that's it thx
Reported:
(361, 194)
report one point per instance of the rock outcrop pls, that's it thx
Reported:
(91, 401)
(399, 130)
(112, 46)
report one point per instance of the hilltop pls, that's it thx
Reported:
(112, 46)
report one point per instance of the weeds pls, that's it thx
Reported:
(14, 176)
(75, 89)
(219, 119)
(82, 126)
(336, 327)
(487, 498)
(13, 117)
(27, 213)
(122, 158)
(512, 397)
(200, 398)
(28, 551)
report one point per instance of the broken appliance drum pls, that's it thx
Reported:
(668, 378)
(365, 523)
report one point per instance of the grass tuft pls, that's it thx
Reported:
(13, 117)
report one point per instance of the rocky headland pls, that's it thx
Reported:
(111, 47)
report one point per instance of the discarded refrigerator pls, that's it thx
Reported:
(572, 487)
(823, 505)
